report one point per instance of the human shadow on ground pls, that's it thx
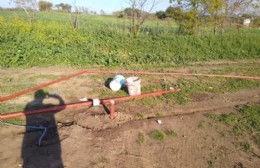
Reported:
(48, 154)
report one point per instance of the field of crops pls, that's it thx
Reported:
(106, 41)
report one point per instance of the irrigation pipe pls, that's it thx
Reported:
(173, 73)
(121, 72)
(84, 104)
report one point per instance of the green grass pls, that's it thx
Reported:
(157, 135)
(246, 120)
(7, 107)
(15, 121)
(170, 132)
(246, 147)
(202, 125)
(158, 115)
(99, 43)
(140, 116)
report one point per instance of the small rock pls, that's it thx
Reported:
(159, 122)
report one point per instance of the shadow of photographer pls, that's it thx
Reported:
(49, 153)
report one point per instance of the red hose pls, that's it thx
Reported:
(82, 104)
(173, 73)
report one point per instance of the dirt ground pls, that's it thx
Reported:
(87, 137)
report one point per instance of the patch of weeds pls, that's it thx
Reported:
(181, 97)
(227, 118)
(157, 135)
(222, 151)
(140, 116)
(49, 77)
(247, 119)
(174, 114)
(202, 125)
(231, 85)
(5, 108)
(150, 88)
(212, 161)
(149, 101)
(238, 165)
(237, 130)
(159, 115)
(212, 116)
(251, 117)
(170, 132)
(105, 92)
(15, 121)
(200, 85)
(223, 133)
(246, 147)
(8, 89)
(247, 69)
(193, 86)
(6, 79)
(141, 138)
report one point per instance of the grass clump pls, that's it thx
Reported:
(246, 147)
(157, 135)
(6, 108)
(170, 132)
(141, 138)
(202, 125)
(247, 119)
(158, 115)
(228, 119)
(15, 121)
(140, 116)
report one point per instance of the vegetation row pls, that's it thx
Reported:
(52, 43)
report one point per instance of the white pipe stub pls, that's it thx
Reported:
(96, 102)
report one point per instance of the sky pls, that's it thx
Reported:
(108, 6)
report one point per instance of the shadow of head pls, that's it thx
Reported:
(40, 94)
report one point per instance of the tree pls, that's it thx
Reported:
(220, 10)
(161, 15)
(128, 12)
(74, 16)
(102, 12)
(187, 14)
(63, 7)
(239, 7)
(45, 5)
(140, 10)
(214, 10)
(29, 7)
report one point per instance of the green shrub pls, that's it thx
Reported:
(157, 135)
